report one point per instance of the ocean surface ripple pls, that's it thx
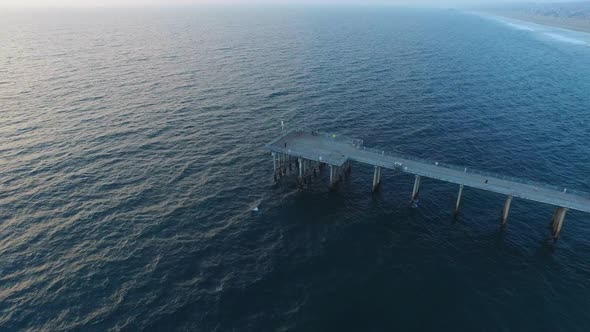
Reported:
(131, 149)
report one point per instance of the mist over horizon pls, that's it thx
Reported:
(159, 3)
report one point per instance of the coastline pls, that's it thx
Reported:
(564, 23)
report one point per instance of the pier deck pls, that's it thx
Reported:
(336, 151)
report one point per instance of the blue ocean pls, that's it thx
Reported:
(132, 154)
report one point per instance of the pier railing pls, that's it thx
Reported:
(477, 172)
(359, 145)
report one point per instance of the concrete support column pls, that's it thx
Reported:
(416, 189)
(274, 162)
(300, 168)
(458, 203)
(376, 178)
(505, 211)
(280, 157)
(557, 222)
(334, 176)
(285, 159)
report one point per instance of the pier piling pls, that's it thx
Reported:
(458, 203)
(416, 189)
(505, 210)
(557, 222)
(332, 176)
(274, 162)
(376, 178)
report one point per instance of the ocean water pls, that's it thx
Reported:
(131, 155)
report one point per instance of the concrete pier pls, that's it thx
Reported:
(337, 152)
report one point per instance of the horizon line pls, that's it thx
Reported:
(103, 5)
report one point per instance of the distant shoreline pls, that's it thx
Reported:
(565, 23)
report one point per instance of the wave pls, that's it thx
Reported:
(566, 39)
(557, 34)
(518, 26)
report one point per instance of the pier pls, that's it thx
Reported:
(311, 151)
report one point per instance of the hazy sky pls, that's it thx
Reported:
(53, 3)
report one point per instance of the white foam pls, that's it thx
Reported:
(558, 34)
(566, 39)
(518, 26)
